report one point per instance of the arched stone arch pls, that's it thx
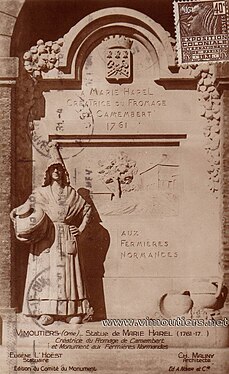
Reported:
(9, 11)
(150, 42)
(131, 23)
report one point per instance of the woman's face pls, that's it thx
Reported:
(56, 172)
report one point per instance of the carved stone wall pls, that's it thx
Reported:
(210, 109)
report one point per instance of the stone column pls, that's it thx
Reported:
(8, 74)
(222, 73)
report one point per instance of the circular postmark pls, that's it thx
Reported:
(68, 121)
(34, 294)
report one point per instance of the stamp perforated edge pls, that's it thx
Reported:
(177, 31)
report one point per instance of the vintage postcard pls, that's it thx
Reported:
(114, 186)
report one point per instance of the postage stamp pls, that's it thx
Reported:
(201, 31)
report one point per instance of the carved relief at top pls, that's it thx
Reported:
(42, 57)
(210, 109)
(118, 56)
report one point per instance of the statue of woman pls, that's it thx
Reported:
(55, 285)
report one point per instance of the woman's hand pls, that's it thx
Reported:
(74, 230)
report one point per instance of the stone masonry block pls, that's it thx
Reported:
(8, 66)
(12, 7)
(7, 23)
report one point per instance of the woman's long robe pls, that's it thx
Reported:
(55, 283)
